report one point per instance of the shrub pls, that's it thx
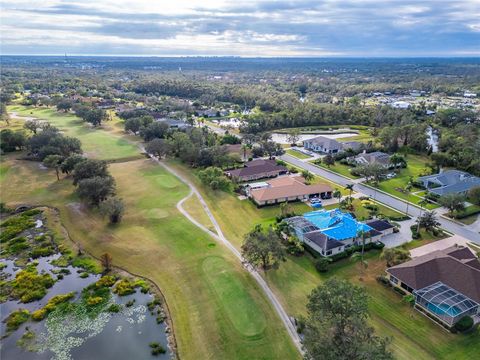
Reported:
(40, 314)
(14, 226)
(399, 218)
(157, 349)
(464, 324)
(415, 233)
(124, 287)
(142, 284)
(106, 281)
(400, 291)
(409, 299)
(114, 308)
(29, 286)
(94, 300)
(32, 212)
(17, 318)
(384, 280)
(42, 251)
(86, 263)
(378, 245)
(321, 264)
(300, 324)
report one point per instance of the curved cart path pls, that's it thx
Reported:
(221, 237)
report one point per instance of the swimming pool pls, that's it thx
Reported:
(443, 309)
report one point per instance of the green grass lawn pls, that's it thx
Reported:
(4, 167)
(341, 169)
(362, 212)
(221, 315)
(321, 180)
(96, 143)
(425, 238)
(364, 136)
(297, 154)
(469, 215)
(195, 208)
(412, 334)
(249, 322)
(416, 166)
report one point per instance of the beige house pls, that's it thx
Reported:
(288, 188)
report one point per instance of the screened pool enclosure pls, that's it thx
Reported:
(445, 303)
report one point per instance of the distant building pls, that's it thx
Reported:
(354, 145)
(174, 123)
(323, 144)
(106, 104)
(400, 105)
(450, 182)
(445, 283)
(376, 157)
(469, 94)
(208, 113)
(257, 169)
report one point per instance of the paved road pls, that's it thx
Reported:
(221, 237)
(391, 201)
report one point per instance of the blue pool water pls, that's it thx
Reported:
(443, 309)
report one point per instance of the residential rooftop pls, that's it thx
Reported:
(449, 182)
(337, 224)
(456, 267)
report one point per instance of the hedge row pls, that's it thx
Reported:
(357, 248)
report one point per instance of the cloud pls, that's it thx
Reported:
(242, 27)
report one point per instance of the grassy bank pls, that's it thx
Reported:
(156, 241)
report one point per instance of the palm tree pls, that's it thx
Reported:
(408, 189)
(338, 194)
(423, 204)
(360, 256)
(307, 175)
(349, 187)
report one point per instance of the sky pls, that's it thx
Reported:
(266, 28)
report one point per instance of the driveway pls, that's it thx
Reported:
(384, 198)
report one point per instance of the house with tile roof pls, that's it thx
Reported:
(286, 188)
(376, 157)
(445, 283)
(323, 145)
(257, 169)
(449, 182)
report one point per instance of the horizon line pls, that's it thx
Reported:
(254, 57)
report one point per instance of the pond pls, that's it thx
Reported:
(75, 332)
(281, 138)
